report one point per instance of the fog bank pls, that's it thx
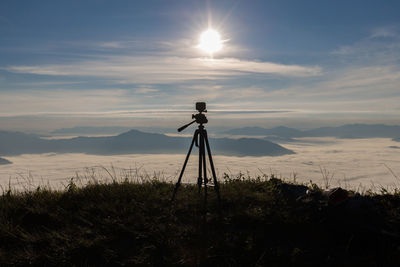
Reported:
(352, 163)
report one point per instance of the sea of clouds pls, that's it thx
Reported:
(359, 164)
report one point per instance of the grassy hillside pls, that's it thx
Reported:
(260, 222)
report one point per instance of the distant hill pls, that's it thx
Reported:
(106, 130)
(345, 131)
(357, 131)
(281, 131)
(4, 161)
(133, 141)
(279, 139)
(81, 130)
(248, 147)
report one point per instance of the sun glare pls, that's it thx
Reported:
(210, 41)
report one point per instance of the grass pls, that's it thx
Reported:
(260, 222)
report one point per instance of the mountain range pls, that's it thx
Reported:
(4, 161)
(344, 131)
(89, 130)
(133, 141)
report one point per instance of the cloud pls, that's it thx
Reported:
(149, 73)
(363, 77)
(112, 44)
(338, 156)
(380, 79)
(381, 47)
(373, 89)
(360, 80)
(146, 90)
(384, 32)
(60, 101)
(166, 70)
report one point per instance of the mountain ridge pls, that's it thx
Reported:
(4, 161)
(356, 130)
(131, 142)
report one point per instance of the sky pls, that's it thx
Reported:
(137, 63)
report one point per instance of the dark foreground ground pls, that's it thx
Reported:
(259, 223)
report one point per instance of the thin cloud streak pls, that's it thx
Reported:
(166, 70)
(150, 113)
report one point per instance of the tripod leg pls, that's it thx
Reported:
(184, 165)
(203, 154)
(216, 185)
(200, 178)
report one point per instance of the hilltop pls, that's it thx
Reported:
(4, 161)
(260, 222)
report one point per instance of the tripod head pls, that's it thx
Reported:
(199, 118)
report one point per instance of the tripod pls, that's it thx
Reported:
(201, 140)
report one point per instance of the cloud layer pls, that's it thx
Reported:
(356, 163)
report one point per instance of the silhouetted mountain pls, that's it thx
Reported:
(345, 131)
(80, 130)
(106, 130)
(356, 131)
(279, 139)
(4, 161)
(248, 147)
(15, 143)
(133, 141)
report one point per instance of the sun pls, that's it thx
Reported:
(210, 41)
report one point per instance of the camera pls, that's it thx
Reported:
(201, 107)
(199, 118)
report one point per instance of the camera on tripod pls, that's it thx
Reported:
(199, 118)
(200, 138)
